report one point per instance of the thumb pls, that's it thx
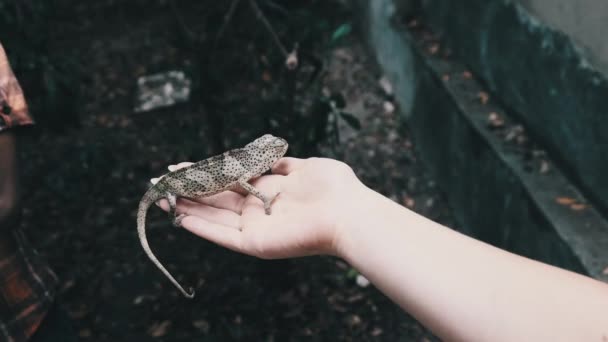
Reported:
(287, 165)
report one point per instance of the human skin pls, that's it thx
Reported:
(460, 288)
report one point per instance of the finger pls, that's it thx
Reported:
(228, 200)
(214, 232)
(179, 166)
(221, 216)
(287, 165)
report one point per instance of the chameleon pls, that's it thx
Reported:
(226, 171)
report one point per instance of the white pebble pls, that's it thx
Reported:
(362, 281)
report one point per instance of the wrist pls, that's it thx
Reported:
(361, 215)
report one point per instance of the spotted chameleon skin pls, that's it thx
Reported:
(208, 177)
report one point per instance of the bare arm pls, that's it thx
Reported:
(8, 180)
(464, 289)
(459, 287)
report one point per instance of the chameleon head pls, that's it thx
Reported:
(267, 149)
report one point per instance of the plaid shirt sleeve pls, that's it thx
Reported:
(13, 108)
(27, 284)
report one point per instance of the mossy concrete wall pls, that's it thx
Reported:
(494, 196)
(540, 73)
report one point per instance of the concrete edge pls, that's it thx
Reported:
(495, 196)
(541, 74)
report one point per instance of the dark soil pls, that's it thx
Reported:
(82, 186)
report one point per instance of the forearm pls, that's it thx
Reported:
(464, 289)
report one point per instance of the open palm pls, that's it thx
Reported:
(312, 194)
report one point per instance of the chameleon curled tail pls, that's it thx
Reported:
(148, 199)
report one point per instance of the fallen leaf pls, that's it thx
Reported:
(78, 312)
(434, 48)
(445, 77)
(483, 97)
(409, 202)
(159, 329)
(544, 167)
(515, 132)
(355, 298)
(376, 332)
(565, 200)
(578, 206)
(140, 299)
(85, 333)
(353, 320)
(388, 107)
(467, 74)
(386, 85)
(495, 120)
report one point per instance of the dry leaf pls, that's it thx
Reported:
(85, 333)
(495, 120)
(578, 206)
(445, 77)
(376, 332)
(483, 97)
(467, 74)
(544, 167)
(434, 48)
(159, 329)
(201, 325)
(515, 132)
(353, 320)
(409, 202)
(78, 312)
(388, 107)
(386, 85)
(565, 200)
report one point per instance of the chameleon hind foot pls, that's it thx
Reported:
(268, 202)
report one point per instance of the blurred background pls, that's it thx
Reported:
(486, 116)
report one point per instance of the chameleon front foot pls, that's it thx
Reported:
(177, 221)
(268, 203)
(257, 193)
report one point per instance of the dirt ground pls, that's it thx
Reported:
(83, 186)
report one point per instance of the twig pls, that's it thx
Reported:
(182, 25)
(260, 15)
(227, 18)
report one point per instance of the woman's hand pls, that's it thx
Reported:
(314, 194)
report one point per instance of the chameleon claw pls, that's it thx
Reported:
(269, 202)
(177, 222)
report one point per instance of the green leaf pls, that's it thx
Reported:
(351, 120)
(352, 273)
(341, 31)
(338, 100)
